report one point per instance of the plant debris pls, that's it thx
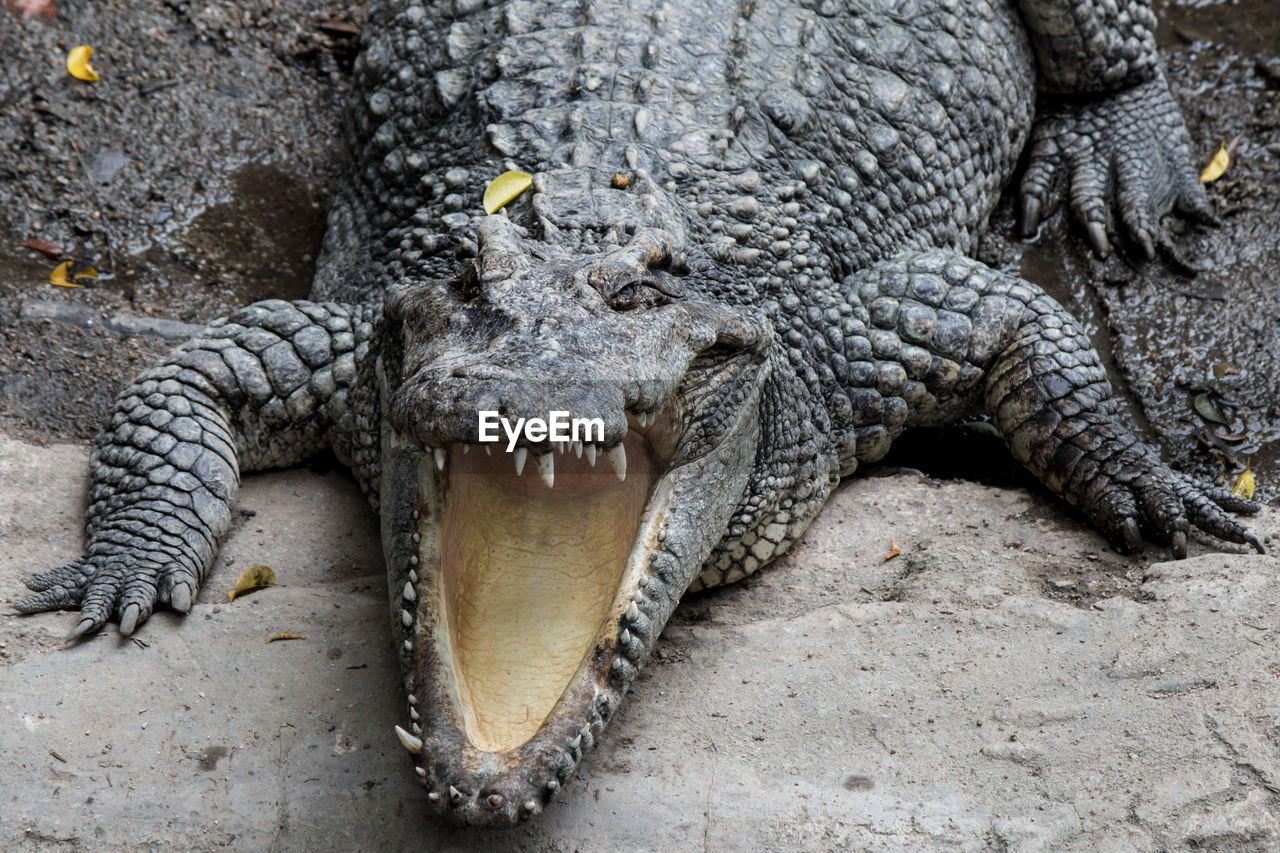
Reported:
(251, 579)
(504, 189)
(78, 63)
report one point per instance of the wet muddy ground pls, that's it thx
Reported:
(192, 177)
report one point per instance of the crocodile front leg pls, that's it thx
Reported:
(266, 387)
(1109, 137)
(928, 338)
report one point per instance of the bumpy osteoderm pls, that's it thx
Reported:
(741, 259)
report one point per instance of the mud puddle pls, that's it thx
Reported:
(192, 175)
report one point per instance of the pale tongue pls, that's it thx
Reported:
(529, 575)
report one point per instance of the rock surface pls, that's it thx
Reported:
(985, 689)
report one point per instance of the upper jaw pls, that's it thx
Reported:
(494, 774)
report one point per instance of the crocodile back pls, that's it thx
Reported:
(794, 138)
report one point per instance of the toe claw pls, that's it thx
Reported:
(1097, 234)
(1253, 540)
(1030, 216)
(129, 619)
(1132, 536)
(1178, 544)
(1146, 246)
(180, 598)
(84, 626)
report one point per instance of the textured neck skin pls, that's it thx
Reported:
(788, 141)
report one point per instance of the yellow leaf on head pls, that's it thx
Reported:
(505, 188)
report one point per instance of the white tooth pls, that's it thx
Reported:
(633, 612)
(576, 742)
(417, 729)
(409, 594)
(413, 714)
(488, 451)
(547, 469)
(577, 449)
(439, 454)
(413, 700)
(591, 454)
(618, 459)
(454, 794)
(434, 795)
(413, 576)
(553, 786)
(624, 638)
(413, 559)
(408, 646)
(407, 618)
(411, 743)
(466, 448)
(521, 455)
(421, 771)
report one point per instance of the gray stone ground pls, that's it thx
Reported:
(973, 693)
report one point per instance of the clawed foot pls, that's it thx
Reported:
(1146, 499)
(1120, 158)
(124, 588)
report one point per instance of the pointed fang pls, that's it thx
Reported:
(409, 594)
(591, 454)
(439, 455)
(618, 459)
(421, 771)
(408, 741)
(547, 469)
(521, 455)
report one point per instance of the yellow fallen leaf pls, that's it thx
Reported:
(1217, 166)
(250, 579)
(1244, 484)
(284, 635)
(894, 550)
(59, 276)
(78, 63)
(504, 189)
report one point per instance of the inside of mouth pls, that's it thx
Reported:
(529, 574)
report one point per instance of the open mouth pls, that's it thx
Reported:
(531, 564)
(521, 606)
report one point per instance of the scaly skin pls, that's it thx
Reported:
(780, 289)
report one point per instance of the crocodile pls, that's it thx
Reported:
(742, 263)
